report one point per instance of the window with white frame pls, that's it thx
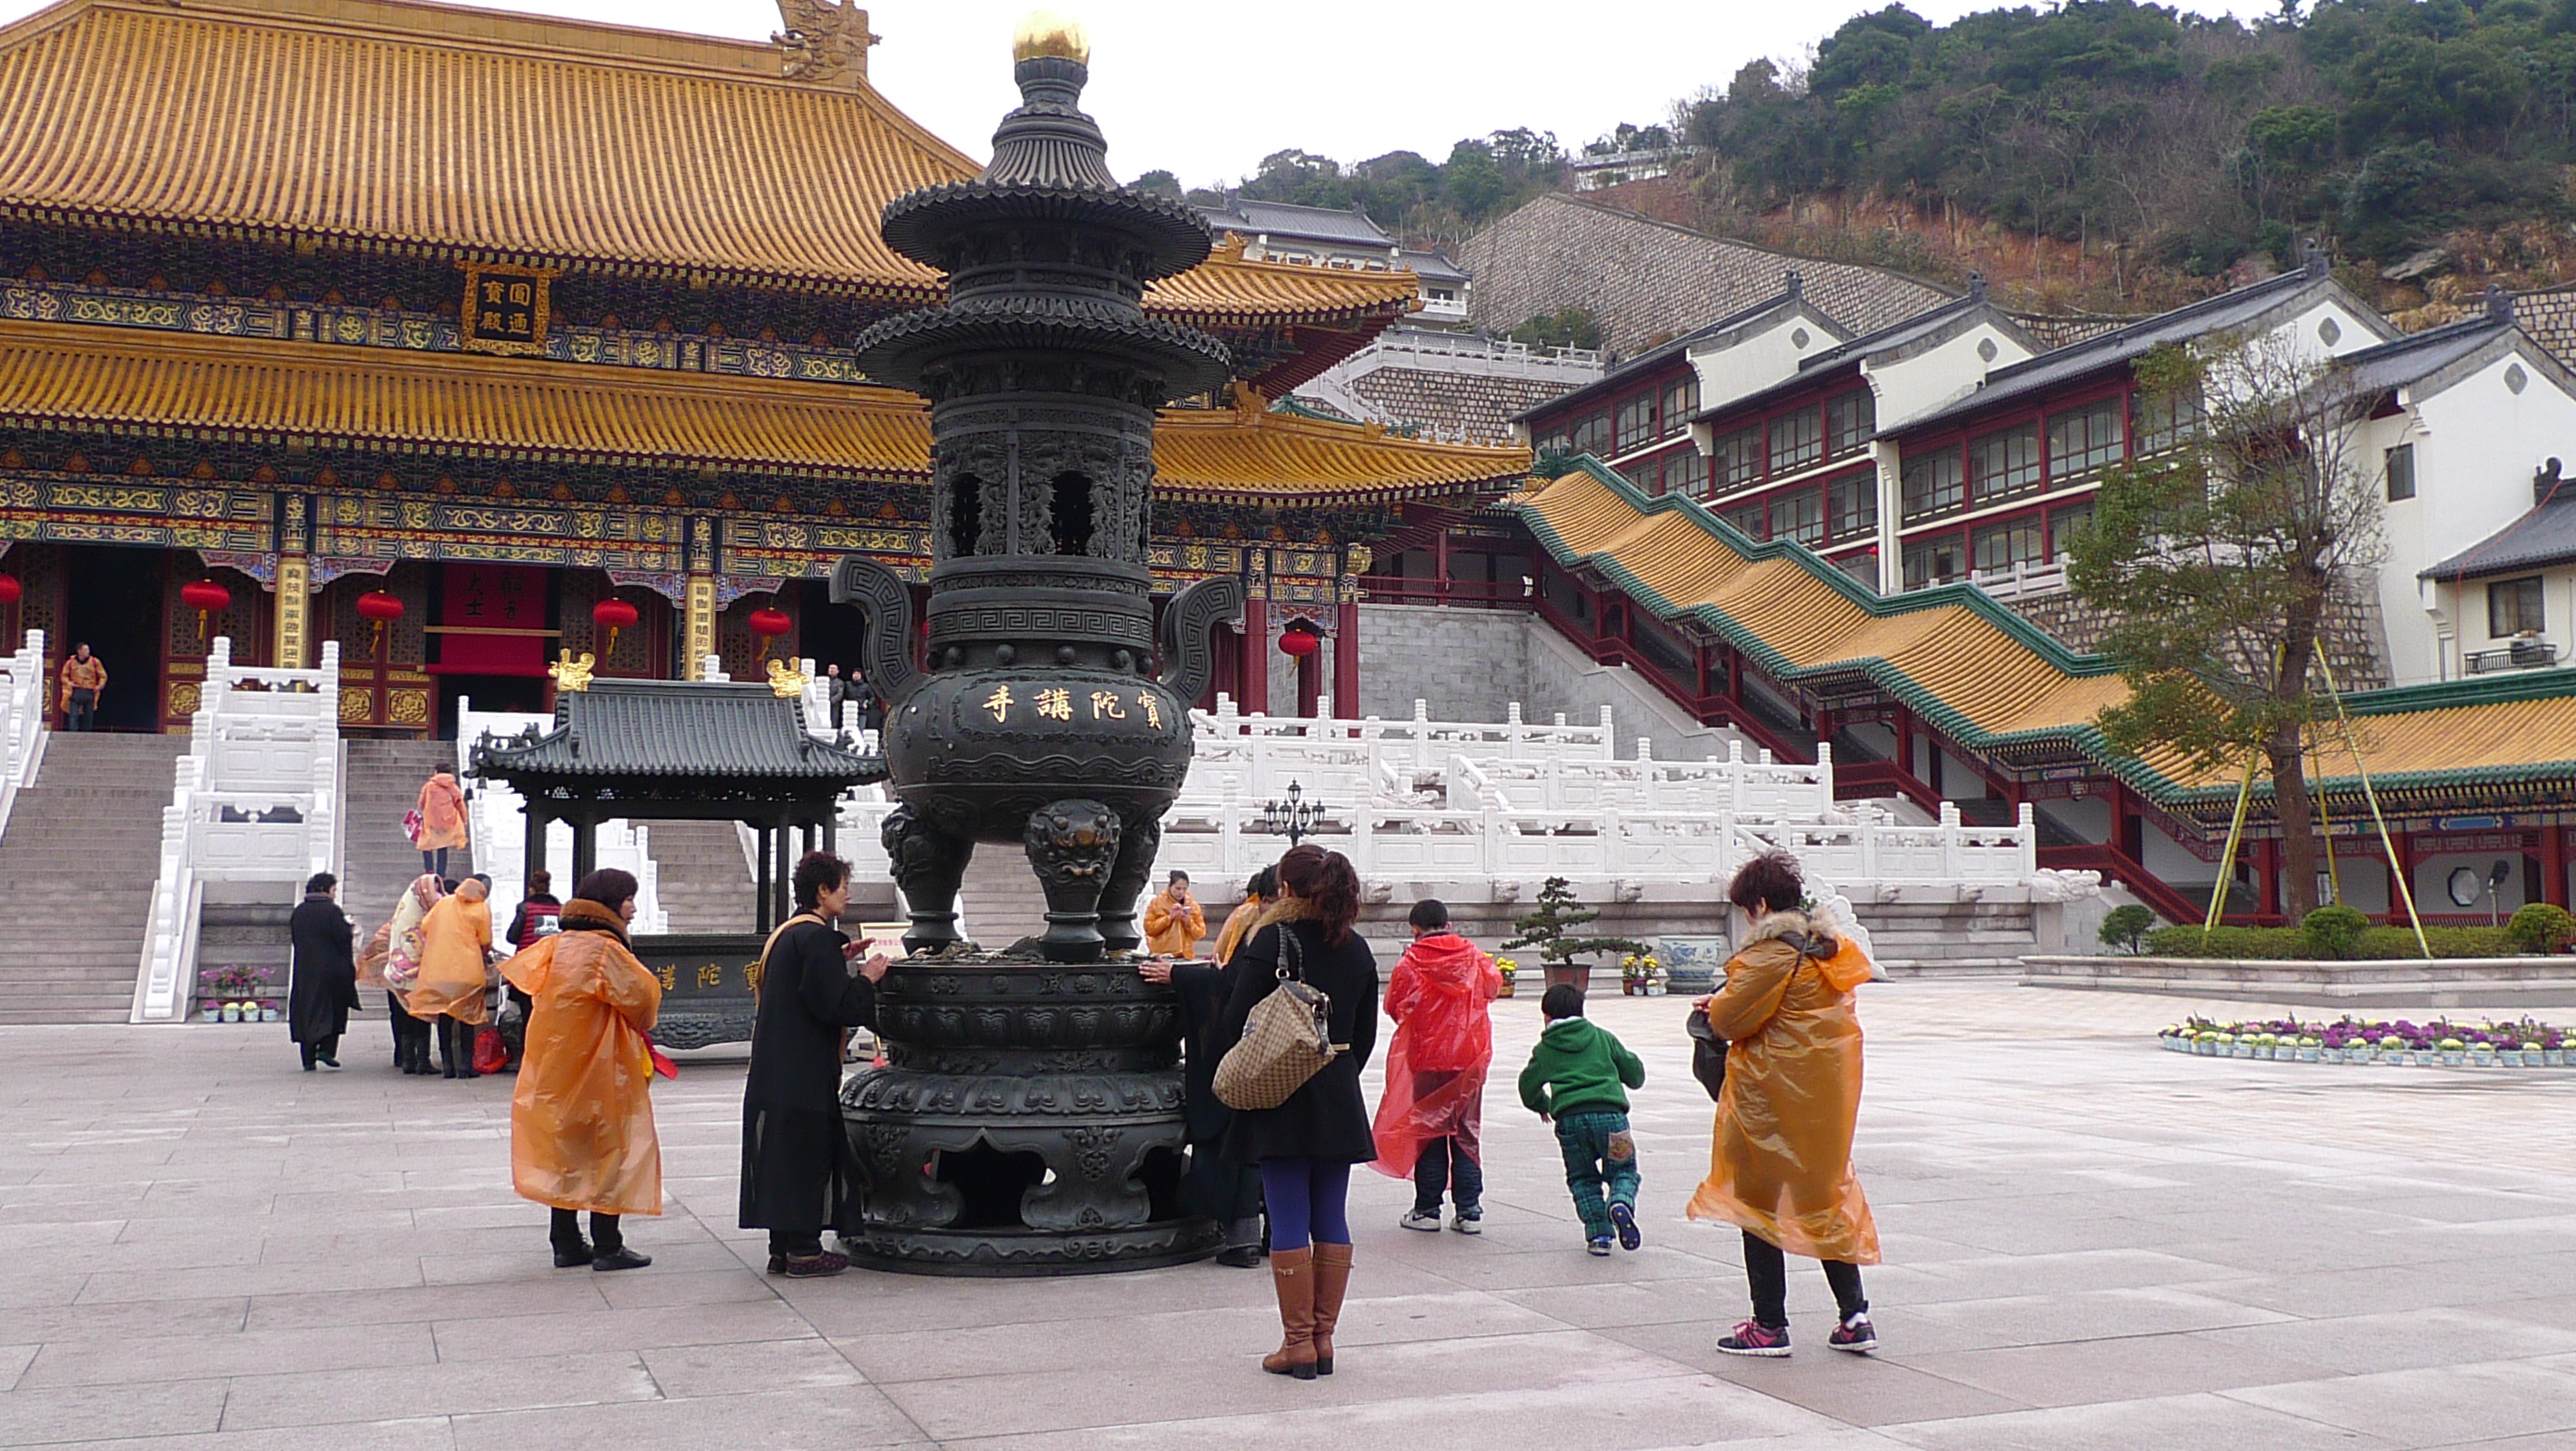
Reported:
(2401, 472)
(2082, 440)
(2003, 463)
(1935, 561)
(1932, 484)
(1799, 516)
(1797, 440)
(1736, 460)
(2515, 607)
(2164, 419)
(2007, 543)
(1851, 421)
(1681, 400)
(1855, 507)
(1637, 422)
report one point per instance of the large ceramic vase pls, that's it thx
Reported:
(1028, 1117)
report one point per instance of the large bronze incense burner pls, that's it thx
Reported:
(1028, 1118)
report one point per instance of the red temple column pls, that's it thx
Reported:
(2553, 865)
(1346, 656)
(1252, 689)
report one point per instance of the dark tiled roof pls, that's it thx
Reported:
(1286, 219)
(1431, 266)
(2543, 537)
(2420, 355)
(672, 730)
(2215, 314)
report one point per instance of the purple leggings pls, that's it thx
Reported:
(1306, 1199)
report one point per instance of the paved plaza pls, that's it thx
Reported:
(2090, 1243)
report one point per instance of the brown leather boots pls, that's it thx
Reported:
(1310, 1283)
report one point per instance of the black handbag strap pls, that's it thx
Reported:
(1291, 951)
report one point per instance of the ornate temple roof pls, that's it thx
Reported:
(115, 379)
(685, 733)
(444, 130)
(1984, 675)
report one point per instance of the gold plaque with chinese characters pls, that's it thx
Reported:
(505, 308)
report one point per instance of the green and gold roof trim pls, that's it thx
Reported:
(1986, 677)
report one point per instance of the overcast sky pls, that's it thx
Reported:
(1207, 90)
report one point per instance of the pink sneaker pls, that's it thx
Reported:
(1755, 1338)
(1854, 1335)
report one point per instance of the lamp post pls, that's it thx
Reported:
(1293, 818)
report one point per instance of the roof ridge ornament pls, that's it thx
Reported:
(823, 41)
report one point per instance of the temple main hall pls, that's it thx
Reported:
(433, 330)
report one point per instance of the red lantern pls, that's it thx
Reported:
(382, 608)
(10, 589)
(613, 615)
(769, 624)
(205, 597)
(1299, 640)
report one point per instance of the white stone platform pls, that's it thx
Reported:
(2091, 1243)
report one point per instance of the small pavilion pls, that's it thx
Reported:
(661, 750)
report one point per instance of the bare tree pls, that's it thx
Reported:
(2221, 551)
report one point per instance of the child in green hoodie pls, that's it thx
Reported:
(1578, 1076)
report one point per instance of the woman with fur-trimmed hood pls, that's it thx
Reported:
(1780, 1164)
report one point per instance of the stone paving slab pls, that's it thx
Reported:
(2091, 1243)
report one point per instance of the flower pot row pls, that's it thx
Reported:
(239, 1012)
(2390, 1050)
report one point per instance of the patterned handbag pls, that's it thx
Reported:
(1287, 1038)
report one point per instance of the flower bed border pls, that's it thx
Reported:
(2385, 1043)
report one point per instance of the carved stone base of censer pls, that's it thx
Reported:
(1027, 1121)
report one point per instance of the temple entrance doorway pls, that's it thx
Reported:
(112, 599)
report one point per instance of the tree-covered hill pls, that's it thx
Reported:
(2376, 125)
(2107, 154)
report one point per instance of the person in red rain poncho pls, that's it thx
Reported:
(1430, 1123)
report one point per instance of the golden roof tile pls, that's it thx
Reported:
(484, 134)
(122, 378)
(1986, 680)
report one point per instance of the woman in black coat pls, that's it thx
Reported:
(1306, 1146)
(1220, 1187)
(323, 983)
(798, 1174)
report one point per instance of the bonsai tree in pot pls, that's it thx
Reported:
(1548, 927)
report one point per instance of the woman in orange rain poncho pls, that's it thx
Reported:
(1780, 1167)
(1430, 1123)
(456, 938)
(581, 1122)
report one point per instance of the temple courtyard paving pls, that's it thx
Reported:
(2090, 1243)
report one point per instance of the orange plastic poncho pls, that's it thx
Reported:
(581, 1119)
(1238, 926)
(1780, 1163)
(1443, 1045)
(442, 815)
(454, 937)
(1171, 931)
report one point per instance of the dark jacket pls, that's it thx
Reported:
(323, 986)
(1578, 1067)
(797, 1169)
(1327, 1118)
(522, 933)
(1204, 989)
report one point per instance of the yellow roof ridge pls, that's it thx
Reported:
(121, 377)
(1970, 665)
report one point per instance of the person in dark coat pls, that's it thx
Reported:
(1221, 1188)
(323, 983)
(1306, 1146)
(798, 1174)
